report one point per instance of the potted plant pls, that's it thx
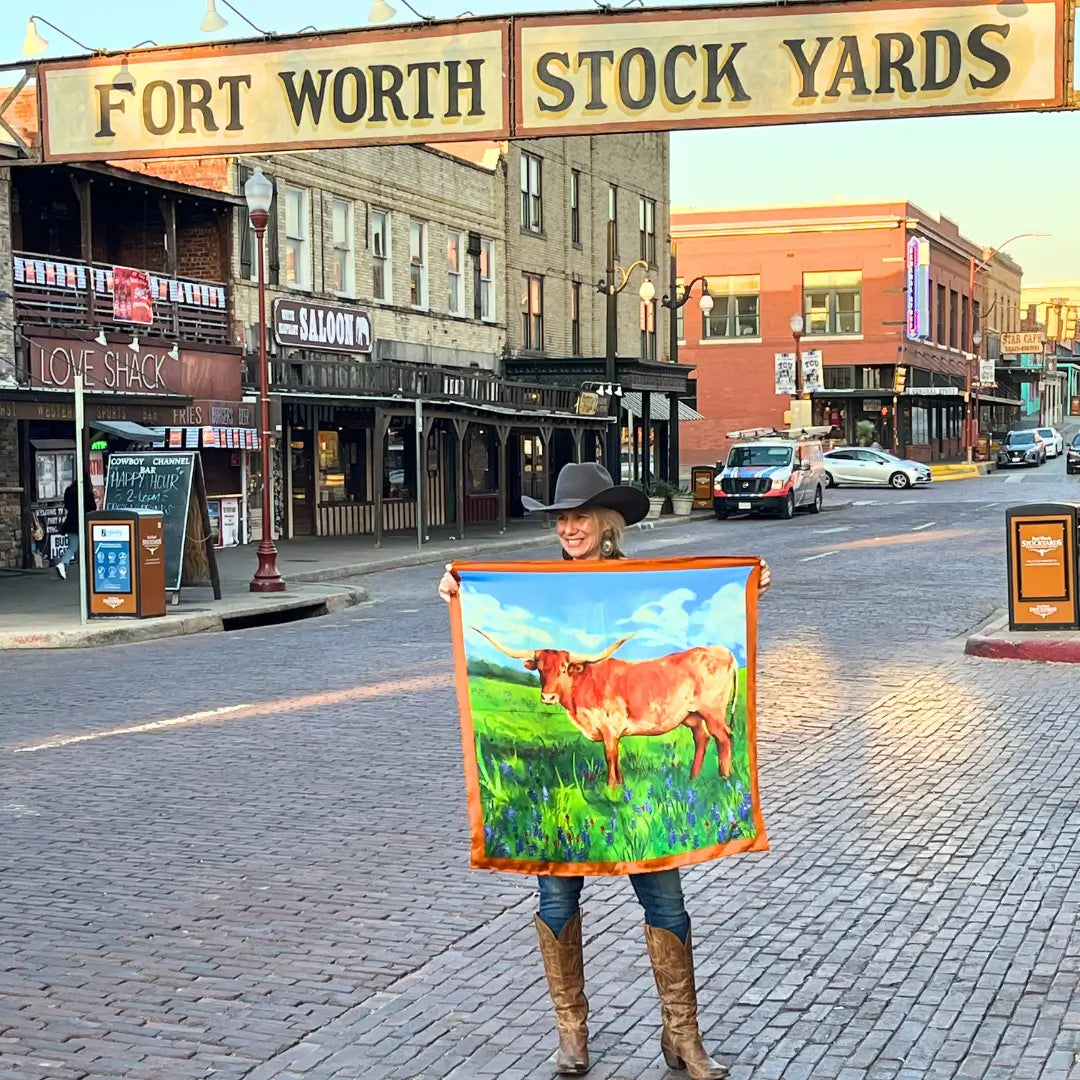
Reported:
(682, 501)
(657, 498)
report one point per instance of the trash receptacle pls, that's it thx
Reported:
(701, 480)
(126, 564)
(1041, 545)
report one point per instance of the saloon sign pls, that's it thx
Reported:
(530, 76)
(325, 327)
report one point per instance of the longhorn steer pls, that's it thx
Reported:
(607, 699)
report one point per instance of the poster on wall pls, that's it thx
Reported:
(811, 371)
(131, 296)
(785, 373)
(608, 713)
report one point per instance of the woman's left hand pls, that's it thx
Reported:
(765, 580)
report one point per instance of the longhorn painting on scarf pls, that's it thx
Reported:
(607, 713)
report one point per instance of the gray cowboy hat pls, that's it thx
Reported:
(585, 485)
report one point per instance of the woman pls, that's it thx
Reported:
(592, 515)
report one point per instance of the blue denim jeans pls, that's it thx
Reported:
(659, 893)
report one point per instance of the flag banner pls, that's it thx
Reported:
(132, 298)
(785, 373)
(811, 371)
(607, 713)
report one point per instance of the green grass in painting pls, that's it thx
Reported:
(544, 791)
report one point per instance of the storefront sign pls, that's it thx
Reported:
(918, 288)
(591, 72)
(118, 368)
(223, 414)
(64, 409)
(131, 296)
(933, 391)
(987, 372)
(326, 327)
(811, 371)
(414, 84)
(1026, 341)
(692, 68)
(785, 373)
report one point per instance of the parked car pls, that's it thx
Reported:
(1021, 447)
(1055, 443)
(770, 474)
(1072, 455)
(858, 465)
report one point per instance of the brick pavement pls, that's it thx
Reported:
(287, 896)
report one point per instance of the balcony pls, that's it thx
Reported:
(60, 292)
(389, 379)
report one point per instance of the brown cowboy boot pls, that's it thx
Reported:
(565, 971)
(673, 969)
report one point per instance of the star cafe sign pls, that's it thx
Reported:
(298, 324)
(534, 75)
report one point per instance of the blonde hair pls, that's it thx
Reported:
(612, 523)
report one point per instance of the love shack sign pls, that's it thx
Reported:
(588, 73)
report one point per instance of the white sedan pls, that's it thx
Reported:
(858, 465)
(1055, 443)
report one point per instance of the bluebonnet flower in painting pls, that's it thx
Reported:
(506, 770)
(685, 838)
(489, 832)
(722, 834)
(691, 818)
(532, 795)
(669, 780)
(671, 838)
(627, 795)
(691, 796)
(544, 794)
(648, 805)
(745, 809)
(609, 839)
(519, 847)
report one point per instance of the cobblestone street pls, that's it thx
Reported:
(274, 885)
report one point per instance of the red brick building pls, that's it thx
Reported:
(844, 270)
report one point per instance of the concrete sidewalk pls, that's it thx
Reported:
(40, 611)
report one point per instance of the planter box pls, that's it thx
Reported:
(681, 505)
(656, 506)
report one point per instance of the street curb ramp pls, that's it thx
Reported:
(994, 641)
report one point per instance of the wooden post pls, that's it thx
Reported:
(577, 434)
(86, 239)
(503, 432)
(461, 429)
(646, 437)
(673, 439)
(546, 433)
(382, 425)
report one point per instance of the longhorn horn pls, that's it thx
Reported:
(514, 654)
(605, 655)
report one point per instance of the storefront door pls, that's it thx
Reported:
(302, 454)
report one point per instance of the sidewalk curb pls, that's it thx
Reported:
(962, 471)
(469, 551)
(126, 632)
(994, 641)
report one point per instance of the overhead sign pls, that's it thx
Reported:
(526, 76)
(428, 84)
(1026, 341)
(918, 288)
(680, 68)
(326, 327)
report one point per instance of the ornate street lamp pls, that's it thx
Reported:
(797, 326)
(259, 193)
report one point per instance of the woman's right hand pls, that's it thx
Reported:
(449, 586)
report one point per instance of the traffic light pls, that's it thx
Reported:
(899, 379)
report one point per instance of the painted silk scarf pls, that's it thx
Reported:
(607, 713)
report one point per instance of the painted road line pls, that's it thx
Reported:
(919, 528)
(1014, 479)
(811, 558)
(834, 529)
(236, 712)
(905, 538)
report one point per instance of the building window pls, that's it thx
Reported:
(532, 312)
(647, 228)
(613, 215)
(953, 305)
(381, 279)
(297, 237)
(487, 284)
(342, 264)
(532, 216)
(455, 301)
(575, 206)
(648, 329)
(832, 302)
(736, 311)
(939, 334)
(838, 378)
(575, 318)
(680, 312)
(418, 294)
(965, 309)
(920, 425)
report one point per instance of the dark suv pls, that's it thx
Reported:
(1072, 455)
(1024, 447)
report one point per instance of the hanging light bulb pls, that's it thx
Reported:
(101, 339)
(123, 79)
(381, 12)
(174, 352)
(135, 343)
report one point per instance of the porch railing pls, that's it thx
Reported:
(387, 378)
(60, 292)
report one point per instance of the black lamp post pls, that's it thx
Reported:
(673, 302)
(259, 193)
(616, 280)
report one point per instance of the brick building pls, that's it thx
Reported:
(843, 269)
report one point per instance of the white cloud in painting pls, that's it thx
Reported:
(674, 621)
(512, 626)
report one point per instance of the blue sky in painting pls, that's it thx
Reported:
(665, 610)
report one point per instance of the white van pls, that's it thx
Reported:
(771, 475)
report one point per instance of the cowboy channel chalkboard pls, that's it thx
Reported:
(171, 483)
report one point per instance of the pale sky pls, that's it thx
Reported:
(994, 175)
